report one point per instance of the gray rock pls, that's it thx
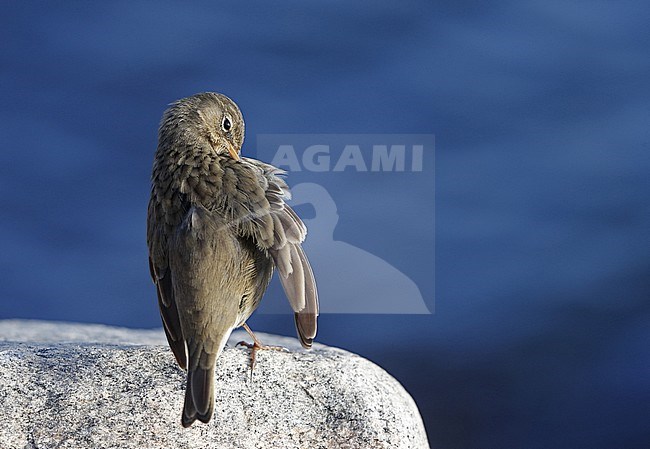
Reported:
(66, 385)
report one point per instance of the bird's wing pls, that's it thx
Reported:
(257, 204)
(162, 277)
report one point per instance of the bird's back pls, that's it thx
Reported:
(217, 279)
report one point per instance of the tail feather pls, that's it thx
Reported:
(203, 392)
(199, 396)
(189, 410)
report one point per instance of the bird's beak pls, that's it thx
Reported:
(233, 152)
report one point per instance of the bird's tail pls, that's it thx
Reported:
(199, 393)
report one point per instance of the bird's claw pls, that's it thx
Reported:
(256, 346)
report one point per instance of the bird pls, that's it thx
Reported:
(217, 227)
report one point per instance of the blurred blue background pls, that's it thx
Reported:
(541, 112)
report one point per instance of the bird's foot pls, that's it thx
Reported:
(256, 346)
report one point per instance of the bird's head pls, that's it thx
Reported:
(208, 118)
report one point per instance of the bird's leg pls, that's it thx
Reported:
(256, 346)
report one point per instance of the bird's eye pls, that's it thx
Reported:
(225, 124)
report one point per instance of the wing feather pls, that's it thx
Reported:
(162, 278)
(275, 227)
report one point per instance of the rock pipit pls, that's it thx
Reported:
(217, 227)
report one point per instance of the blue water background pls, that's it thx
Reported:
(541, 112)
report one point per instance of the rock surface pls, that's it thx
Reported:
(68, 385)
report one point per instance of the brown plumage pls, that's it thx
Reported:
(217, 226)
